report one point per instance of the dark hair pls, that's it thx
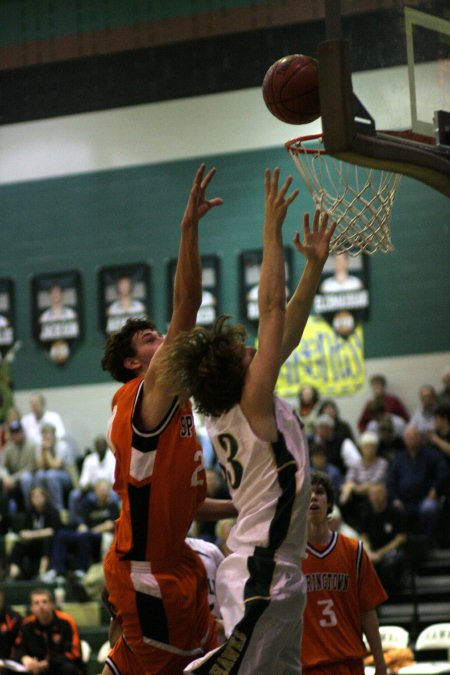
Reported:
(321, 478)
(442, 410)
(328, 402)
(119, 346)
(378, 378)
(207, 365)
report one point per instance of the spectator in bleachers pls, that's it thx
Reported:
(97, 465)
(31, 553)
(34, 421)
(5, 523)
(342, 429)
(13, 414)
(444, 394)
(48, 640)
(18, 466)
(336, 523)
(392, 404)
(52, 466)
(390, 443)
(379, 412)
(367, 471)
(440, 436)
(85, 541)
(10, 622)
(308, 407)
(423, 417)
(417, 477)
(319, 462)
(343, 455)
(384, 535)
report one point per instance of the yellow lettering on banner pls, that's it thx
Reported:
(325, 360)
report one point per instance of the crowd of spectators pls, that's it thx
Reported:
(57, 515)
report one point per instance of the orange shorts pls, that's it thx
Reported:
(349, 667)
(163, 610)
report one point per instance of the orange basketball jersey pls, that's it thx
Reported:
(341, 583)
(159, 477)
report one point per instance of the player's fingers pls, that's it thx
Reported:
(207, 179)
(297, 242)
(316, 220)
(217, 201)
(306, 223)
(267, 179)
(275, 177)
(323, 221)
(330, 232)
(291, 197)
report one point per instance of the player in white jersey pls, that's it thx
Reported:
(262, 449)
(211, 557)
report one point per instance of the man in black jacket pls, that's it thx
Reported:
(48, 641)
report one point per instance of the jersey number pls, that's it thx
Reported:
(329, 617)
(196, 479)
(233, 469)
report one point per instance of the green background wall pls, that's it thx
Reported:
(132, 215)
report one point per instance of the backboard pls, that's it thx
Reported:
(418, 144)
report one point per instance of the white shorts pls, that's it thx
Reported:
(262, 603)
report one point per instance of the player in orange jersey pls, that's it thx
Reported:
(155, 581)
(343, 592)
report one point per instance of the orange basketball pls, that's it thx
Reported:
(291, 89)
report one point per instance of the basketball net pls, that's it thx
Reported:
(359, 199)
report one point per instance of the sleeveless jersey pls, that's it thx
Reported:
(341, 583)
(159, 477)
(269, 482)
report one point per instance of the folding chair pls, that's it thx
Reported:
(436, 636)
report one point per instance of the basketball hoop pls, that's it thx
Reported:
(359, 199)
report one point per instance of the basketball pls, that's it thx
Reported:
(291, 89)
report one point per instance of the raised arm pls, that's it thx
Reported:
(256, 401)
(315, 248)
(186, 297)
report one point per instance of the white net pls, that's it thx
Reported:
(359, 199)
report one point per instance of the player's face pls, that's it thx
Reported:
(318, 505)
(145, 343)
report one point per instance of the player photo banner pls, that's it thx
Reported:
(343, 295)
(123, 294)
(250, 271)
(57, 313)
(7, 332)
(325, 360)
(209, 309)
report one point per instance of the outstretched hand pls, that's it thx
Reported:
(316, 242)
(277, 203)
(197, 204)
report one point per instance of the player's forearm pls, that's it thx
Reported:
(299, 307)
(187, 295)
(272, 283)
(216, 509)
(369, 622)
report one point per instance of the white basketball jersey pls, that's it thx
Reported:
(211, 557)
(268, 482)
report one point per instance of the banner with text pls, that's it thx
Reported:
(325, 360)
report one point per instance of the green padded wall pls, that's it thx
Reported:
(132, 215)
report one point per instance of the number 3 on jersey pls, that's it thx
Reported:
(233, 469)
(329, 617)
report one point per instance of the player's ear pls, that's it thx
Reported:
(132, 363)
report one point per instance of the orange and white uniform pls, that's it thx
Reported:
(155, 581)
(341, 583)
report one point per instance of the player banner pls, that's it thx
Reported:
(325, 360)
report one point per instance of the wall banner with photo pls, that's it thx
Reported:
(7, 332)
(209, 309)
(123, 294)
(343, 295)
(57, 312)
(249, 273)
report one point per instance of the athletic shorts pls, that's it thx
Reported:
(164, 613)
(349, 667)
(262, 603)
